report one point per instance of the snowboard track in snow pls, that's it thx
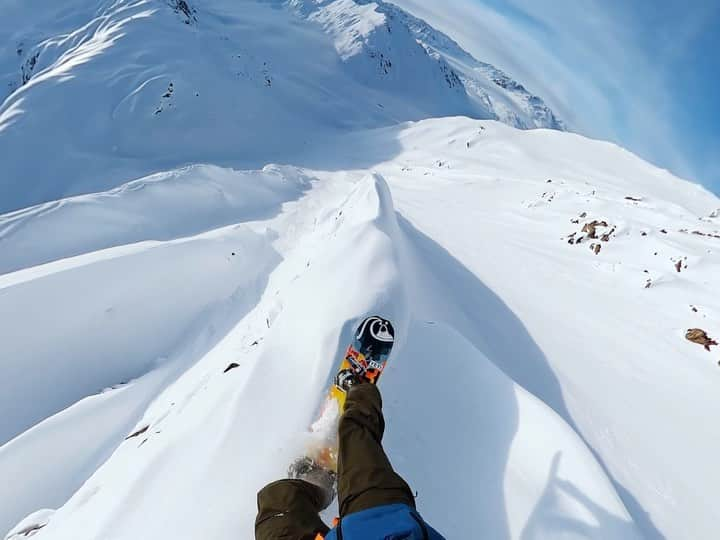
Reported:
(465, 324)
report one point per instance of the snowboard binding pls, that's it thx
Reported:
(308, 470)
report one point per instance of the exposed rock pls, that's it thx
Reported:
(231, 366)
(591, 228)
(182, 7)
(30, 530)
(696, 335)
(28, 68)
(606, 237)
(138, 432)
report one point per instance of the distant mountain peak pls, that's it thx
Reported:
(382, 30)
(153, 84)
(526, 110)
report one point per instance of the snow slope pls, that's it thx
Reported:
(96, 92)
(568, 402)
(173, 301)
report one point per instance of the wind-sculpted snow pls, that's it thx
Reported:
(160, 207)
(127, 319)
(556, 369)
(361, 257)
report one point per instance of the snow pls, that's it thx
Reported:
(538, 389)
(152, 208)
(120, 90)
(488, 87)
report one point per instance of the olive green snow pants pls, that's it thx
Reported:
(289, 509)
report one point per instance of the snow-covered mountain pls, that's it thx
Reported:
(96, 91)
(490, 88)
(251, 178)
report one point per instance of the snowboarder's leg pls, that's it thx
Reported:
(290, 509)
(366, 478)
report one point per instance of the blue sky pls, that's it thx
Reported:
(642, 73)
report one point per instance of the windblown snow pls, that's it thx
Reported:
(201, 201)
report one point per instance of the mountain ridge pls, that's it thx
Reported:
(155, 84)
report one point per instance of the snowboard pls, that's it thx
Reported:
(364, 359)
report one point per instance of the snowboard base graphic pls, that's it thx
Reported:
(364, 362)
